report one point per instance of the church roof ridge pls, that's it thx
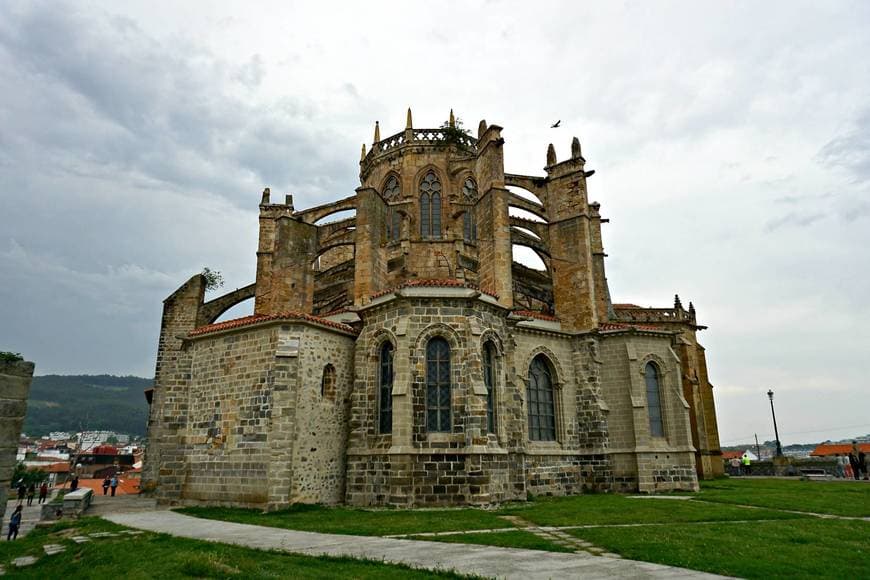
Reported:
(257, 318)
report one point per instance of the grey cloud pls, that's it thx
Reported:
(851, 149)
(792, 218)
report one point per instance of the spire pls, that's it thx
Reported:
(363, 154)
(481, 128)
(677, 304)
(409, 124)
(575, 149)
(377, 132)
(452, 122)
(551, 155)
(692, 309)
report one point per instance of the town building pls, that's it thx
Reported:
(401, 356)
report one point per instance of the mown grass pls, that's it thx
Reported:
(824, 497)
(151, 555)
(804, 548)
(359, 522)
(512, 539)
(621, 509)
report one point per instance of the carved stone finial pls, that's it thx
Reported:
(363, 154)
(575, 149)
(551, 155)
(677, 304)
(692, 309)
(452, 121)
(377, 131)
(265, 199)
(409, 122)
(481, 128)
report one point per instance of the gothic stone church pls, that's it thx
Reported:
(402, 357)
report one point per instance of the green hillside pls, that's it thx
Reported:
(91, 402)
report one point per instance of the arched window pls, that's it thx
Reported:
(430, 206)
(489, 374)
(385, 388)
(654, 401)
(541, 400)
(438, 385)
(469, 223)
(392, 191)
(327, 382)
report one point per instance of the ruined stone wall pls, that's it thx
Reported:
(641, 461)
(15, 378)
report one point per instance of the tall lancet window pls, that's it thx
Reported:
(438, 385)
(489, 372)
(654, 401)
(392, 192)
(430, 206)
(541, 400)
(385, 388)
(469, 223)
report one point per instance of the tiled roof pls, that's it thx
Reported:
(838, 448)
(257, 318)
(605, 326)
(439, 283)
(535, 314)
(62, 467)
(626, 305)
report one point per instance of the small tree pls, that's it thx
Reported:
(6, 356)
(456, 134)
(213, 279)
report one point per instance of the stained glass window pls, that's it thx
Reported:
(430, 206)
(385, 389)
(392, 191)
(489, 380)
(540, 397)
(438, 385)
(653, 401)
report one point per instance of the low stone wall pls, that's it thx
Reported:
(15, 378)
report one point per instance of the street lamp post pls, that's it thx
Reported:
(775, 431)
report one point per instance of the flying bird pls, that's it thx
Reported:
(556, 124)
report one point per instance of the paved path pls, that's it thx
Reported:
(464, 558)
(29, 516)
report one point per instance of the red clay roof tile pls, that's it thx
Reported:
(257, 318)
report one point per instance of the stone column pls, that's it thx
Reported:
(15, 378)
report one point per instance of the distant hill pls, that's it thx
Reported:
(91, 402)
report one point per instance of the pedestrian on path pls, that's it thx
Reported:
(43, 492)
(735, 466)
(840, 468)
(114, 484)
(31, 492)
(75, 483)
(747, 465)
(106, 484)
(862, 464)
(22, 489)
(14, 523)
(852, 468)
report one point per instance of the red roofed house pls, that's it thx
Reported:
(831, 449)
(398, 354)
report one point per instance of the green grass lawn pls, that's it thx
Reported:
(804, 548)
(151, 555)
(340, 520)
(512, 539)
(621, 509)
(824, 497)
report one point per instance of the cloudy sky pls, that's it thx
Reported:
(731, 145)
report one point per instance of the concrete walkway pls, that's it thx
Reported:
(463, 558)
(29, 516)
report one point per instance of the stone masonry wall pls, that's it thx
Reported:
(15, 378)
(642, 462)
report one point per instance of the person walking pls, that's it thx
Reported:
(114, 484)
(853, 466)
(106, 484)
(31, 492)
(747, 465)
(14, 523)
(735, 466)
(22, 489)
(43, 492)
(862, 464)
(840, 468)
